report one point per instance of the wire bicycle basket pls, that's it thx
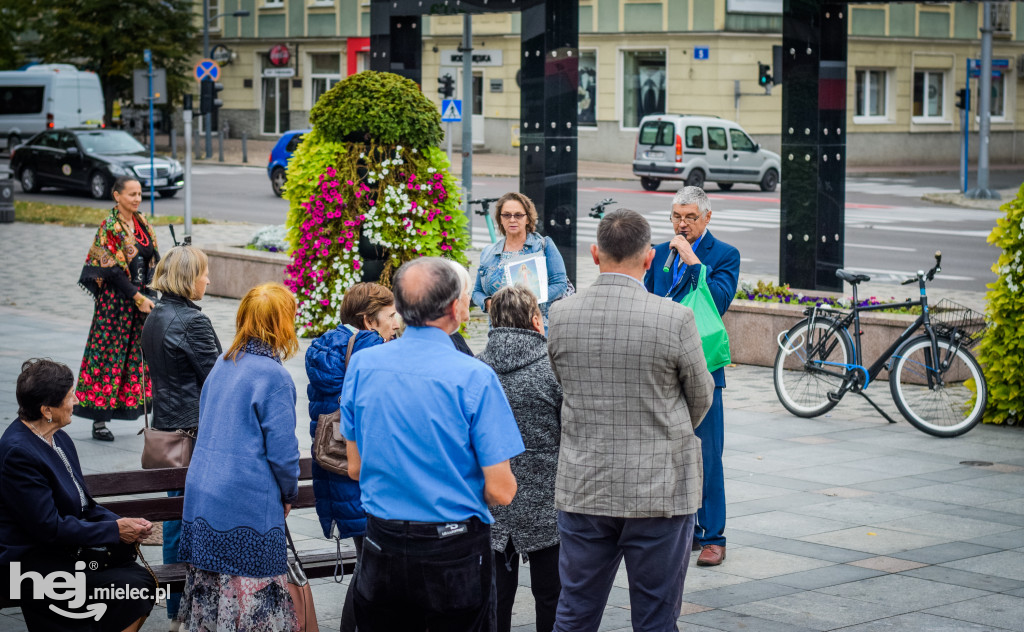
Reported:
(952, 319)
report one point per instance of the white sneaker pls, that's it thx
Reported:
(175, 626)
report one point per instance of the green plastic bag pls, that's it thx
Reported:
(713, 336)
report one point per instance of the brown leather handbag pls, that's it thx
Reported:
(300, 590)
(163, 448)
(329, 449)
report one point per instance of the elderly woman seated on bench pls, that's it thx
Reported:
(49, 523)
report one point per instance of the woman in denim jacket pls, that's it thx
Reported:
(516, 217)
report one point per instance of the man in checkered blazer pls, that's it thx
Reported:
(629, 477)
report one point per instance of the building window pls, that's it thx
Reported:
(276, 4)
(872, 94)
(586, 100)
(643, 88)
(997, 109)
(212, 11)
(325, 71)
(929, 94)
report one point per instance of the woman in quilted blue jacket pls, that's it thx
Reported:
(368, 313)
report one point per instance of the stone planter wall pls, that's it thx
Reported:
(234, 270)
(754, 329)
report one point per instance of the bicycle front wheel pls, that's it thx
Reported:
(944, 402)
(810, 364)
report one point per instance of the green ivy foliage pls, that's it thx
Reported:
(1002, 348)
(389, 108)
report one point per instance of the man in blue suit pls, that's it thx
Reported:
(691, 214)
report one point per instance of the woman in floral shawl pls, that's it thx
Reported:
(117, 273)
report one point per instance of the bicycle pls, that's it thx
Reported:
(485, 205)
(934, 380)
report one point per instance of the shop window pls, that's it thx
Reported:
(325, 71)
(997, 108)
(586, 101)
(929, 94)
(643, 88)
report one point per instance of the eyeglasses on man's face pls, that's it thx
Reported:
(688, 219)
(516, 216)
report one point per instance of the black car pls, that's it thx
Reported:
(91, 160)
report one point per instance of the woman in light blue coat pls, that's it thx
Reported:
(244, 477)
(516, 217)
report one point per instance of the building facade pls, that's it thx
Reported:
(905, 63)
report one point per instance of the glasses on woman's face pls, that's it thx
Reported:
(516, 216)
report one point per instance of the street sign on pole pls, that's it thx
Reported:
(451, 110)
(207, 68)
(701, 52)
(998, 66)
(140, 86)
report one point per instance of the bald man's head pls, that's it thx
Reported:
(424, 288)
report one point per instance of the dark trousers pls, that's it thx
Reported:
(544, 584)
(172, 537)
(348, 612)
(656, 551)
(710, 528)
(413, 579)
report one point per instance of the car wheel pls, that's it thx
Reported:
(99, 186)
(649, 184)
(695, 179)
(29, 181)
(277, 180)
(770, 180)
(725, 186)
(168, 194)
(12, 141)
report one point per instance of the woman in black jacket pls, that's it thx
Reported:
(180, 348)
(49, 522)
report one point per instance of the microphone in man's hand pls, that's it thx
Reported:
(670, 263)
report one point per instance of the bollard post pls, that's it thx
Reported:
(245, 151)
(174, 144)
(6, 200)
(220, 146)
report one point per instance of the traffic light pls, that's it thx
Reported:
(208, 101)
(764, 75)
(446, 86)
(961, 98)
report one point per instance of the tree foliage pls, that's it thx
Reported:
(105, 36)
(1002, 347)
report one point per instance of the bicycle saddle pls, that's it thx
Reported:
(851, 277)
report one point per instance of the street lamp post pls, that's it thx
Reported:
(207, 20)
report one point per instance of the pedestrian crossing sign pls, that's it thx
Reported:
(451, 110)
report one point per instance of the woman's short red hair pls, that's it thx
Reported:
(267, 312)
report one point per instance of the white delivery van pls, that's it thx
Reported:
(47, 96)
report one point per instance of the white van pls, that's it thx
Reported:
(48, 96)
(699, 149)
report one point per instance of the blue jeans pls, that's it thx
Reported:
(656, 550)
(710, 527)
(172, 536)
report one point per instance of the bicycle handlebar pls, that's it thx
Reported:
(930, 275)
(484, 203)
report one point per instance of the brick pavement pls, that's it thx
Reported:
(841, 522)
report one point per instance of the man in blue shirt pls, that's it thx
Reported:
(697, 247)
(430, 435)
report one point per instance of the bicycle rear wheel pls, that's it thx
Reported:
(810, 364)
(941, 402)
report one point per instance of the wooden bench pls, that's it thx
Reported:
(109, 490)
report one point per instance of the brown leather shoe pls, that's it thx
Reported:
(712, 555)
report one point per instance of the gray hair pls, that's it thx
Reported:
(429, 299)
(623, 234)
(692, 195)
(460, 270)
(513, 306)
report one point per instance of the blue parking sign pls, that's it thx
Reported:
(451, 110)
